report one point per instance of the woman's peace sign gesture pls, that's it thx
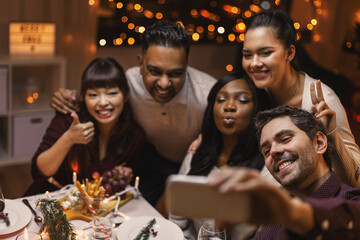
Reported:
(320, 109)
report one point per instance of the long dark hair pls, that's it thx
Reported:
(104, 73)
(246, 152)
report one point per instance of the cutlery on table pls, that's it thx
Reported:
(37, 218)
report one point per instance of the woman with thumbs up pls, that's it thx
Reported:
(100, 136)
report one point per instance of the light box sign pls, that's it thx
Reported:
(32, 38)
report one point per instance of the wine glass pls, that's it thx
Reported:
(209, 232)
(2, 201)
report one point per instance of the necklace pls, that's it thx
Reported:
(294, 90)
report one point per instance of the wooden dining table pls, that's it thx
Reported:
(136, 207)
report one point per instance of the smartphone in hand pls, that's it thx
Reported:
(190, 196)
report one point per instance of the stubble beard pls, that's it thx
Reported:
(306, 166)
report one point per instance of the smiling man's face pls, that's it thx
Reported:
(290, 155)
(163, 70)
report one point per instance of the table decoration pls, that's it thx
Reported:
(55, 220)
(145, 231)
(29, 236)
(162, 229)
(74, 177)
(19, 216)
(102, 223)
(5, 217)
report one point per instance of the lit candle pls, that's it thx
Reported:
(74, 177)
(137, 180)
(48, 194)
(29, 236)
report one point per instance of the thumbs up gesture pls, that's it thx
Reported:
(80, 133)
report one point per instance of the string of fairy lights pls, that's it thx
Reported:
(122, 22)
(218, 22)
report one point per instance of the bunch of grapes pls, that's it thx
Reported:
(113, 181)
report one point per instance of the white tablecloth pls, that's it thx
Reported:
(134, 208)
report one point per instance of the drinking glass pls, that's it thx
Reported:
(102, 223)
(2, 201)
(209, 232)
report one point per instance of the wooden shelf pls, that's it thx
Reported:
(24, 76)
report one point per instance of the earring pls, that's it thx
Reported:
(287, 60)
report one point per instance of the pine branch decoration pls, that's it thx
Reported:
(55, 220)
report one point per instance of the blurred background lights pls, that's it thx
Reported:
(313, 22)
(242, 37)
(129, 6)
(123, 35)
(229, 67)
(231, 37)
(194, 13)
(206, 21)
(159, 15)
(119, 5)
(265, 5)
(141, 29)
(316, 37)
(124, 19)
(137, 7)
(213, 3)
(131, 26)
(211, 28)
(91, 2)
(148, 14)
(119, 41)
(254, 8)
(102, 42)
(296, 25)
(131, 41)
(204, 13)
(317, 3)
(200, 29)
(221, 30)
(310, 26)
(247, 14)
(196, 37)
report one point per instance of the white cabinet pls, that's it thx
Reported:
(26, 87)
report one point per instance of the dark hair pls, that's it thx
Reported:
(167, 34)
(105, 73)
(302, 119)
(246, 151)
(281, 23)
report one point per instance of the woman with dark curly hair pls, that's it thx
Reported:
(228, 137)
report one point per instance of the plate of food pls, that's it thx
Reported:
(156, 228)
(19, 216)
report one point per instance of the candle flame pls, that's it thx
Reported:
(48, 194)
(26, 234)
(137, 180)
(74, 164)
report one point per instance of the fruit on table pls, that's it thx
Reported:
(113, 181)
